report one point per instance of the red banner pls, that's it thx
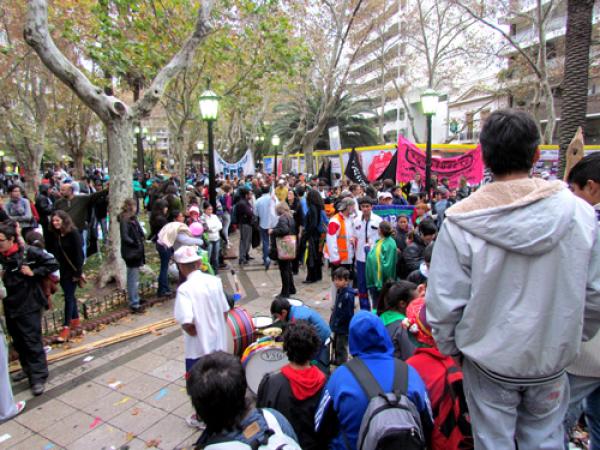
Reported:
(411, 159)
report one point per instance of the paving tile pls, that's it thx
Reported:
(37, 442)
(104, 436)
(142, 386)
(173, 349)
(17, 434)
(138, 418)
(43, 416)
(84, 394)
(123, 374)
(185, 410)
(170, 431)
(171, 370)
(148, 360)
(69, 429)
(110, 406)
(189, 442)
(168, 398)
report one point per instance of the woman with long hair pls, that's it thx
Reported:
(132, 251)
(158, 219)
(285, 227)
(296, 210)
(67, 248)
(313, 230)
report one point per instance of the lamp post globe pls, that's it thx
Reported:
(209, 109)
(275, 141)
(429, 103)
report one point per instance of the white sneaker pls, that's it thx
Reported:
(193, 422)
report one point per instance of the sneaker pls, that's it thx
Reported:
(19, 376)
(193, 422)
(75, 324)
(64, 335)
(37, 389)
(137, 309)
(20, 406)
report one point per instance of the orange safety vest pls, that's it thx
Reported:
(342, 239)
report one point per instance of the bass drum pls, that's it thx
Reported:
(263, 357)
(241, 329)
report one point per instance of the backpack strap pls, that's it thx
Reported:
(400, 386)
(364, 377)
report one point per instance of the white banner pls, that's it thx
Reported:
(245, 166)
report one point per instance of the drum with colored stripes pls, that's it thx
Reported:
(260, 358)
(241, 328)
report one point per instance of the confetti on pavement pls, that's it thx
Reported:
(88, 359)
(49, 446)
(161, 393)
(122, 401)
(5, 437)
(115, 385)
(97, 421)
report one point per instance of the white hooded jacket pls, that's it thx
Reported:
(514, 283)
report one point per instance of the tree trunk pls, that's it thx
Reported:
(78, 161)
(120, 167)
(32, 169)
(576, 72)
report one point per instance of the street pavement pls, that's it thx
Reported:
(132, 395)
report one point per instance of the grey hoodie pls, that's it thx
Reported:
(514, 283)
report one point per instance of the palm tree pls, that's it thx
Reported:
(576, 72)
(353, 117)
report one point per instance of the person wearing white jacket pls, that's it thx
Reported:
(213, 227)
(513, 289)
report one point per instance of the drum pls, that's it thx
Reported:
(263, 357)
(261, 322)
(295, 302)
(241, 327)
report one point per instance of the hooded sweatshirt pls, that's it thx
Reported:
(295, 393)
(514, 283)
(343, 403)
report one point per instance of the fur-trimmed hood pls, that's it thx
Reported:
(527, 216)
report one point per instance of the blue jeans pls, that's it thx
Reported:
(104, 228)
(213, 254)
(69, 286)
(363, 292)
(585, 397)
(264, 236)
(84, 236)
(133, 281)
(163, 275)
(226, 219)
(374, 293)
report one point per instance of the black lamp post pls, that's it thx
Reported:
(275, 141)
(209, 108)
(429, 102)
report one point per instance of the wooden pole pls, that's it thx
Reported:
(104, 342)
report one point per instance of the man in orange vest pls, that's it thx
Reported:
(340, 233)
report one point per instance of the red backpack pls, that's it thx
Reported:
(444, 382)
(452, 424)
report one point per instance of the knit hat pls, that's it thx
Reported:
(344, 204)
(194, 209)
(416, 322)
(187, 254)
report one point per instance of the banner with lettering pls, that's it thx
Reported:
(245, 166)
(411, 159)
(392, 212)
(354, 170)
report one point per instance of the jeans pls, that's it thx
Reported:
(341, 349)
(287, 278)
(133, 281)
(7, 403)
(374, 294)
(226, 219)
(245, 241)
(69, 286)
(213, 254)
(104, 228)
(585, 397)
(163, 275)
(84, 236)
(264, 236)
(363, 292)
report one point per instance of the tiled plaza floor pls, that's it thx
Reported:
(131, 395)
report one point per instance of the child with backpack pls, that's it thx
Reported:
(343, 310)
(395, 298)
(443, 379)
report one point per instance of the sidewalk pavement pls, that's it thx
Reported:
(132, 395)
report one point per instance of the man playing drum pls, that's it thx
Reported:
(201, 309)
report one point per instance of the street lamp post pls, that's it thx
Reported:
(275, 141)
(209, 108)
(200, 147)
(429, 102)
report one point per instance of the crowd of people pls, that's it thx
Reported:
(473, 301)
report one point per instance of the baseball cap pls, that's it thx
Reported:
(384, 195)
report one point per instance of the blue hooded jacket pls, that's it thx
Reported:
(343, 395)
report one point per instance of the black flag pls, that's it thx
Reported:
(390, 171)
(354, 170)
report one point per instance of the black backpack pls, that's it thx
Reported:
(391, 420)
